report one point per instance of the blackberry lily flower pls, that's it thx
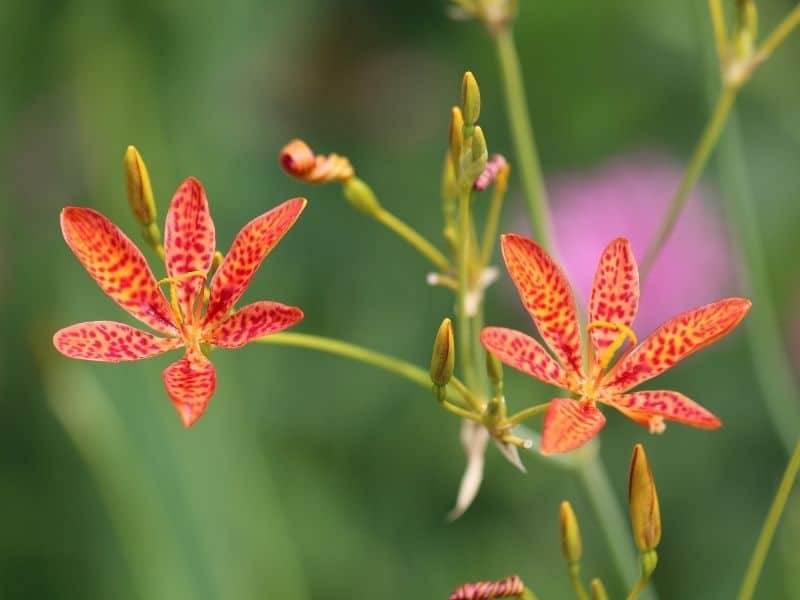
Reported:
(120, 269)
(614, 300)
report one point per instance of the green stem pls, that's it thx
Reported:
(773, 368)
(702, 151)
(357, 353)
(577, 584)
(493, 218)
(638, 588)
(780, 33)
(522, 135)
(463, 319)
(413, 237)
(527, 413)
(770, 526)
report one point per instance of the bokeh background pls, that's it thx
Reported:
(314, 477)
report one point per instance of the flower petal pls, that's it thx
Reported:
(675, 340)
(569, 424)
(251, 246)
(524, 353)
(615, 293)
(108, 341)
(253, 321)
(190, 386)
(117, 265)
(673, 406)
(189, 240)
(545, 292)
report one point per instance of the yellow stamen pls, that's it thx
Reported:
(173, 291)
(624, 333)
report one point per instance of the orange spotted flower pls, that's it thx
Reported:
(614, 300)
(119, 268)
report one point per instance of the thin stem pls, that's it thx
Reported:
(720, 33)
(468, 396)
(358, 353)
(698, 161)
(638, 588)
(413, 237)
(773, 368)
(493, 217)
(527, 413)
(577, 584)
(463, 320)
(779, 34)
(770, 526)
(522, 135)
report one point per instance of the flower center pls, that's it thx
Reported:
(188, 324)
(599, 368)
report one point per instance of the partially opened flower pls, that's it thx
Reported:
(186, 320)
(614, 301)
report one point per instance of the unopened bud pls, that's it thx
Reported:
(746, 28)
(570, 534)
(474, 162)
(449, 181)
(140, 192)
(456, 136)
(470, 99)
(643, 501)
(299, 161)
(361, 196)
(444, 355)
(496, 169)
(598, 590)
(494, 368)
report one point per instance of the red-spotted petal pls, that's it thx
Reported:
(524, 353)
(251, 246)
(672, 406)
(546, 294)
(108, 341)
(117, 265)
(569, 424)
(615, 293)
(190, 385)
(675, 340)
(189, 240)
(254, 321)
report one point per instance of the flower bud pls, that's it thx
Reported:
(299, 161)
(494, 368)
(570, 534)
(361, 196)
(643, 501)
(496, 169)
(598, 590)
(140, 192)
(444, 355)
(479, 151)
(456, 136)
(470, 99)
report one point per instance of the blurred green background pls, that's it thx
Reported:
(313, 477)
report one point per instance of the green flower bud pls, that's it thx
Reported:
(137, 183)
(570, 534)
(470, 99)
(444, 355)
(361, 196)
(598, 590)
(456, 135)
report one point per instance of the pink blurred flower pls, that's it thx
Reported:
(628, 197)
